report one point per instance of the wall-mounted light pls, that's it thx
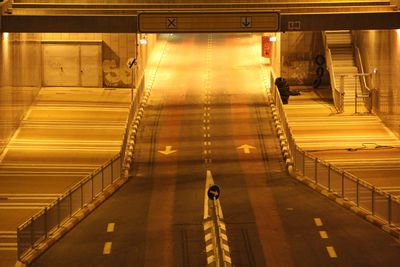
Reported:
(143, 40)
(272, 39)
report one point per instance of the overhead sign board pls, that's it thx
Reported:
(170, 22)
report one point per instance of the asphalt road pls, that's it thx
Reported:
(207, 101)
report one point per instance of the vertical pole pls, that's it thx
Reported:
(390, 210)
(304, 163)
(102, 178)
(357, 196)
(81, 195)
(70, 203)
(112, 170)
(355, 94)
(58, 212)
(31, 231)
(341, 92)
(329, 177)
(45, 223)
(91, 178)
(373, 201)
(316, 170)
(343, 184)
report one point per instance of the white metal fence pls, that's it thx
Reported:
(383, 206)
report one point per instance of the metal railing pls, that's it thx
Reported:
(366, 94)
(41, 225)
(337, 92)
(381, 205)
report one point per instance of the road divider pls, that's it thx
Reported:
(216, 237)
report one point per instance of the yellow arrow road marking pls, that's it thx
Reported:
(246, 148)
(167, 150)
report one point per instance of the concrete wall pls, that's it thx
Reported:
(380, 49)
(19, 80)
(298, 52)
(21, 69)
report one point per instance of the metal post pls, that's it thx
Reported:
(390, 210)
(329, 177)
(373, 201)
(91, 178)
(355, 94)
(112, 170)
(342, 92)
(58, 212)
(45, 222)
(304, 163)
(31, 224)
(357, 197)
(316, 170)
(102, 178)
(70, 203)
(343, 184)
(81, 195)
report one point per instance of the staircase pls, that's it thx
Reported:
(343, 62)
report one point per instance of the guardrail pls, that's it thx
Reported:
(382, 206)
(41, 225)
(337, 92)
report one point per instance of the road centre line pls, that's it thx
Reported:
(331, 251)
(107, 248)
(110, 227)
(318, 222)
(323, 234)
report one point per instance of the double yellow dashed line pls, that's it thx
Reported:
(324, 235)
(108, 245)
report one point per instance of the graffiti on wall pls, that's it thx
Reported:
(115, 75)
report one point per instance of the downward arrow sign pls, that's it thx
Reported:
(167, 150)
(246, 148)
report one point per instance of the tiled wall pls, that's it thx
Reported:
(380, 49)
(298, 52)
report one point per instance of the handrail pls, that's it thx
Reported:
(381, 206)
(337, 93)
(366, 91)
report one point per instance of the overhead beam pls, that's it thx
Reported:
(340, 21)
(70, 23)
(129, 23)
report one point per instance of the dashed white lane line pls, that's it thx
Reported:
(107, 248)
(323, 234)
(331, 251)
(110, 227)
(318, 222)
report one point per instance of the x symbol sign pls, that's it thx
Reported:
(171, 23)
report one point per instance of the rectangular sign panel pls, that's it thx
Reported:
(170, 22)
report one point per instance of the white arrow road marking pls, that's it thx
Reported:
(167, 150)
(246, 148)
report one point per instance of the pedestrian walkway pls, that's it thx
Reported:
(358, 143)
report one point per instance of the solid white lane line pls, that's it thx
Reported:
(323, 234)
(107, 248)
(331, 252)
(110, 227)
(318, 222)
